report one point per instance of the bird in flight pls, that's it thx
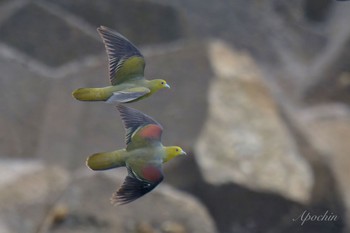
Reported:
(126, 73)
(143, 156)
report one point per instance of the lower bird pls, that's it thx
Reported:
(143, 157)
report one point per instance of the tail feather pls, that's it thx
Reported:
(89, 94)
(105, 160)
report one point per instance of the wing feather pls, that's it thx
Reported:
(128, 95)
(134, 187)
(125, 60)
(139, 125)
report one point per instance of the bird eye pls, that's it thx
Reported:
(162, 83)
(177, 150)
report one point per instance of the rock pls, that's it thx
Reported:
(42, 198)
(43, 42)
(328, 77)
(26, 189)
(23, 95)
(163, 210)
(244, 139)
(172, 227)
(236, 208)
(317, 10)
(143, 22)
(325, 126)
(3, 227)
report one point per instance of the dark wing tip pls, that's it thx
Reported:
(111, 37)
(103, 31)
(132, 189)
(133, 116)
(102, 28)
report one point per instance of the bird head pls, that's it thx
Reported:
(158, 84)
(172, 152)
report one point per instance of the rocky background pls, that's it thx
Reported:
(260, 99)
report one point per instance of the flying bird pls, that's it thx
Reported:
(126, 73)
(143, 156)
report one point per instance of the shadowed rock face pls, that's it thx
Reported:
(56, 41)
(236, 208)
(52, 42)
(143, 22)
(333, 79)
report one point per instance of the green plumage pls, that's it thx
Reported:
(107, 160)
(143, 156)
(126, 72)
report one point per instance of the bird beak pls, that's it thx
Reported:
(183, 153)
(167, 86)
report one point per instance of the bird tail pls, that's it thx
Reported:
(106, 160)
(89, 94)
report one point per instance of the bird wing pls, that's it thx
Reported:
(128, 95)
(135, 186)
(125, 60)
(141, 130)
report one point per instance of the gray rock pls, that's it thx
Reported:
(327, 78)
(27, 187)
(23, 97)
(325, 127)
(244, 139)
(163, 210)
(42, 198)
(54, 42)
(143, 22)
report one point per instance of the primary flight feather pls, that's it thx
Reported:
(126, 73)
(143, 156)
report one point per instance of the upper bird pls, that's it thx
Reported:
(143, 156)
(126, 73)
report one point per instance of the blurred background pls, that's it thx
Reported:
(260, 100)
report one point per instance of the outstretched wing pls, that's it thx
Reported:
(141, 130)
(135, 186)
(128, 95)
(125, 60)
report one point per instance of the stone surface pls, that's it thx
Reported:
(244, 139)
(23, 99)
(325, 126)
(331, 77)
(36, 197)
(155, 22)
(236, 208)
(54, 42)
(162, 210)
(26, 188)
(326, 79)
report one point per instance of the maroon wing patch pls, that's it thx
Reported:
(151, 173)
(152, 131)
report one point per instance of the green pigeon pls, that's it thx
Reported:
(126, 72)
(143, 156)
